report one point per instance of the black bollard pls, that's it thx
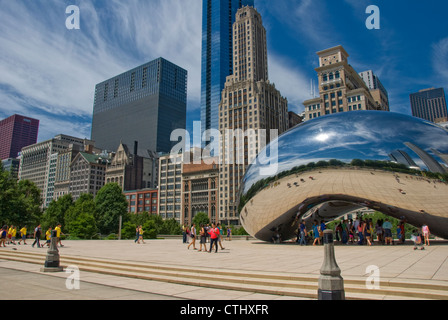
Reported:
(331, 284)
(52, 259)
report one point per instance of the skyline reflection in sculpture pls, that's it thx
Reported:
(390, 145)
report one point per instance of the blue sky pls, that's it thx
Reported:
(49, 72)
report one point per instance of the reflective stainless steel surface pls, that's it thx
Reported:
(329, 166)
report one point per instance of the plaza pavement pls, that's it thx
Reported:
(243, 259)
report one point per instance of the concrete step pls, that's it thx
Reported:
(257, 282)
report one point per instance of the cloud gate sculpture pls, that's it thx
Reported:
(332, 165)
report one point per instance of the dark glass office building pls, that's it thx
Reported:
(218, 17)
(430, 104)
(144, 104)
(17, 132)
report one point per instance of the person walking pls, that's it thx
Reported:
(302, 233)
(361, 232)
(13, 235)
(37, 234)
(23, 235)
(184, 234)
(214, 236)
(137, 234)
(48, 237)
(203, 238)
(140, 234)
(316, 232)
(220, 235)
(58, 234)
(425, 231)
(193, 237)
(387, 227)
(368, 230)
(3, 236)
(229, 234)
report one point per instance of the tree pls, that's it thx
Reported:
(110, 204)
(83, 207)
(56, 211)
(83, 227)
(201, 218)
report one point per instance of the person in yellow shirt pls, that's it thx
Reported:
(13, 235)
(48, 237)
(23, 233)
(58, 234)
(9, 235)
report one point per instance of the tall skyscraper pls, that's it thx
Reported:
(377, 90)
(250, 108)
(218, 17)
(144, 104)
(430, 104)
(17, 132)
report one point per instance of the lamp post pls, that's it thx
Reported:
(331, 284)
(52, 259)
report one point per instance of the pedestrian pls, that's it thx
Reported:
(379, 231)
(37, 233)
(387, 227)
(229, 234)
(417, 238)
(193, 237)
(23, 235)
(3, 235)
(137, 234)
(203, 238)
(425, 230)
(402, 232)
(351, 232)
(48, 237)
(344, 231)
(361, 232)
(368, 230)
(184, 234)
(9, 235)
(219, 237)
(316, 232)
(214, 236)
(13, 235)
(58, 234)
(140, 234)
(302, 233)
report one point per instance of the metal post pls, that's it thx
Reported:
(119, 228)
(52, 259)
(331, 284)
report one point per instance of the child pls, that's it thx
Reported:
(417, 238)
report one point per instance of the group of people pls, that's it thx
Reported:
(214, 232)
(361, 231)
(8, 235)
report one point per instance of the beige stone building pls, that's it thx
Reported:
(341, 88)
(249, 102)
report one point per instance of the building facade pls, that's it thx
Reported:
(170, 186)
(200, 190)
(132, 171)
(377, 90)
(87, 174)
(17, 132)
(144, 200)
(341, 89)
(38, 163)
(218, 17)
(250, 108)
(430, 104)
(144, 104)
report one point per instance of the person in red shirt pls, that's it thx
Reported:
(214, 236)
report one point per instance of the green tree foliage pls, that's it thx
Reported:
(82, 211)
(19, 202)
(201, 218)
(110, 205)
(56, 211)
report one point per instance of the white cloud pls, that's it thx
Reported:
(290, 81)
(49, 70)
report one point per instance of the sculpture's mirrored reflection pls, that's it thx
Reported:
(327, 167)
